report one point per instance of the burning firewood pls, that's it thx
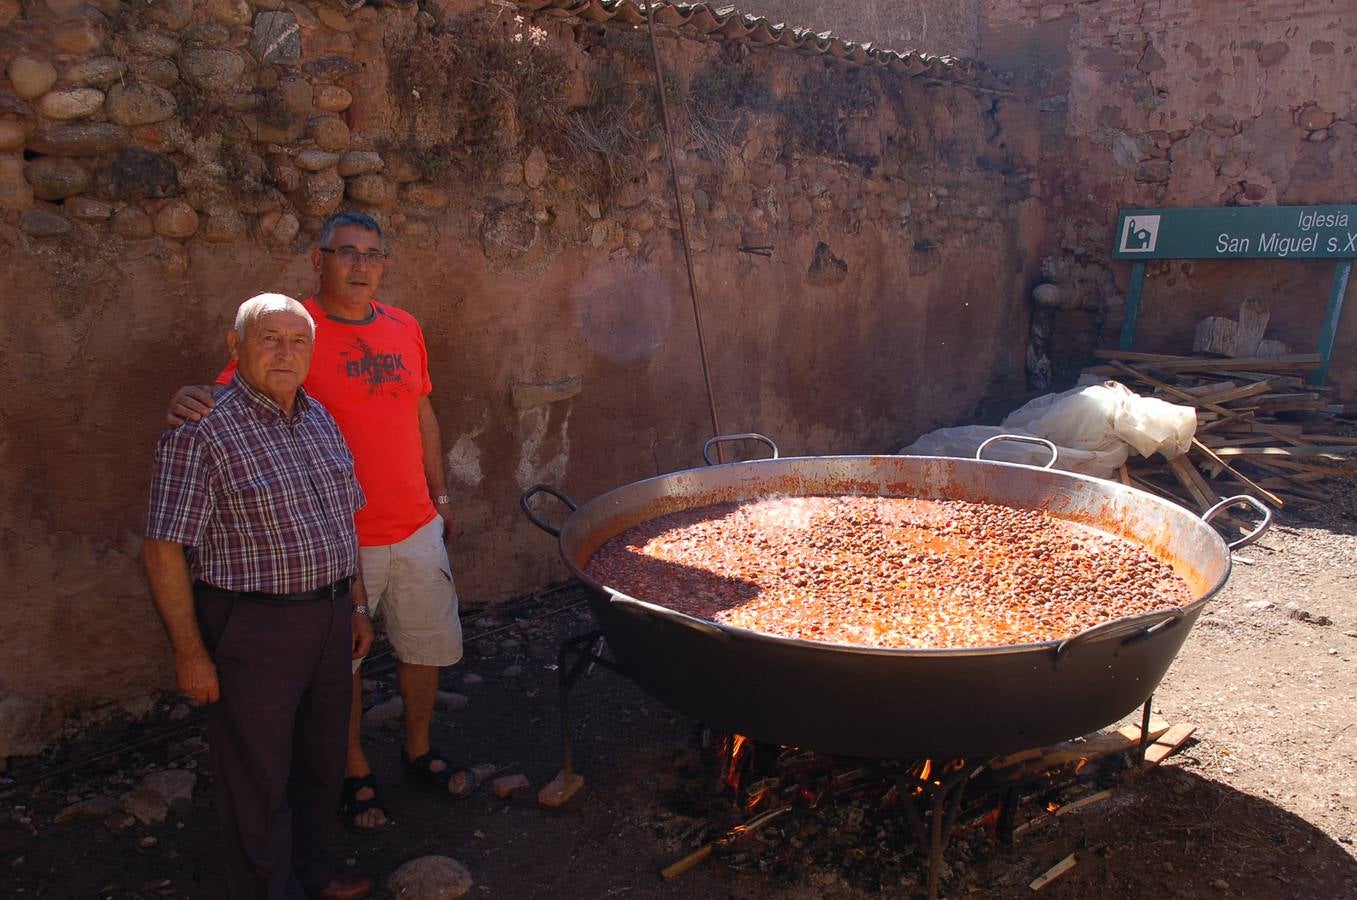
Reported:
(737, 833)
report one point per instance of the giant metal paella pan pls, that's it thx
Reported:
(898, 703)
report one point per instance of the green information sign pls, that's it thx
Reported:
(1252, 232)
(1240, 232)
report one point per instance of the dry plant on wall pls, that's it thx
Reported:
(722, 99)
(474, 89)
(607, 137)
(813, 118)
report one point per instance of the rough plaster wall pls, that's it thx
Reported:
(1185, 104)
(559, 325)
(927, 25)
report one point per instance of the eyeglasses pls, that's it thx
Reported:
(351, 256)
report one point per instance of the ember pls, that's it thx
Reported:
(888, 572)
(790, 811)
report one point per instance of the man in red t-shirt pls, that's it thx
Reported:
(370, 370)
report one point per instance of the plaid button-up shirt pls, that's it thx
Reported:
(263, 501)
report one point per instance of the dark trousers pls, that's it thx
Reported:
(277, 736)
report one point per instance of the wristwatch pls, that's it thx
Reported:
(362, 610)
(441, 499)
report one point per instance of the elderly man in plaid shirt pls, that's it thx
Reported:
(253, 561)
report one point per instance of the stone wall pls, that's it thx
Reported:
(160, 161)
(1183, 103)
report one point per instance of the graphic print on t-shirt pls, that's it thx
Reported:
(381, 372)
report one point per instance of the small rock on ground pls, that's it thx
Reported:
(430, 878)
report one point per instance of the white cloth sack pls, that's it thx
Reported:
(1095, 428)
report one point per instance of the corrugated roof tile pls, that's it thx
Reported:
(730, 23)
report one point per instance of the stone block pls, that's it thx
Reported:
(206, 34)
(222, 224)
(100, 71)
(336, 19)
(331, 98)
(530, 395)
(176, 219)
(315, 160)
(12, 104)
(9, 11)
(332, 67)
(1153, 171)
(30, 77)
(507, 233)
(15, 191)
(243, 101)
(286, 176)
(384, 713)
(430, 878)
(321, 194)
(277, 228)
(1312, 118)
(152, 43)
(330, 133)
(76, 103)
(213, 69)
(42, 223)
(99, 807)
(56, 177)
(139, 174)
(78, 38)
(161, 72)
(277, 38)
(139, 103)
(12, 135)
(295, 96)
(360, 162)
(132, 224)
(560, 790)
(168, 14)
(230, 12)
(372, 190)
(506, 785)
(87, 209)
(450, 701)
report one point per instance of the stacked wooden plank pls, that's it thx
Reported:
(1261, 428)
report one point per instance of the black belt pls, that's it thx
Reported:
(328, 592)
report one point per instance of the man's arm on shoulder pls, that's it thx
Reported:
(172, 590)
(433, 467)
(193, 401)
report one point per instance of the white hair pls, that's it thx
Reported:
(260, 305)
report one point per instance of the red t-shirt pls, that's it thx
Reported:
(370, 376)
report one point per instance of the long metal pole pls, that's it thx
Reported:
(683, 222)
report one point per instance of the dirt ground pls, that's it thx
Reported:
(1261, 803)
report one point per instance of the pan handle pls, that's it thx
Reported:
(532, 513)
(1133, 628)
(1021, 439)
(1258, 507)
(744, 436)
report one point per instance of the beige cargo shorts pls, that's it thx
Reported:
(409, 585)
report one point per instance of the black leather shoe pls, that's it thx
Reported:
(349, 886)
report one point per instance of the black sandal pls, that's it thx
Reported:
(350, 807)
(421, 767)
